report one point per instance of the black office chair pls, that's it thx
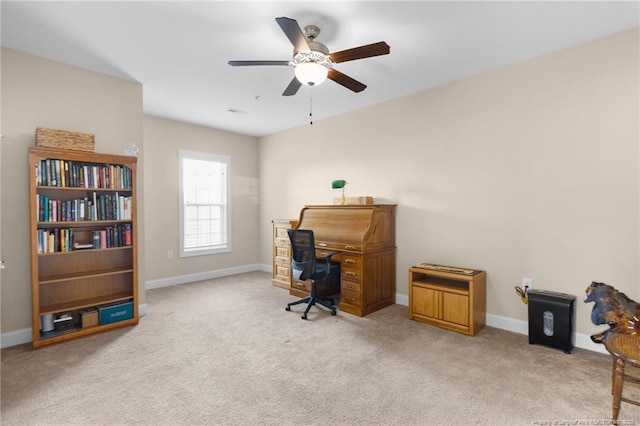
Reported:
(305, 265)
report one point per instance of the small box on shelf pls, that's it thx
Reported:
(88, 317)
(64, 139)
(62, 321)
(115, 312)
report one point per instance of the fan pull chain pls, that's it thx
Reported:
(311, 105)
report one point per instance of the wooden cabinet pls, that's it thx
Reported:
(83, 243)
(282, 253)
(448, 297)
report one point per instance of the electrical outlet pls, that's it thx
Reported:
(527, 283)
(170, 254)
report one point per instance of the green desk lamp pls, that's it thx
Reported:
(340, 184)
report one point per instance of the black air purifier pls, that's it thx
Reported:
(551, 319)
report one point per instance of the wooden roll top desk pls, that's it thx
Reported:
(364, 236)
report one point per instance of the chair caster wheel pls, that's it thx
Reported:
(288, 308)
(304, 316)
(333, 313)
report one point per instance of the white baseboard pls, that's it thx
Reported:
(15, 338)
(581, 340)
(22, 336)
(201, 276)
(18, 337)
(402, 299)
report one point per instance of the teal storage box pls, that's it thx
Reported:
(115, 312)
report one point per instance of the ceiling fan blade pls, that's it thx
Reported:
(346, 81)
(292, 88)
(367, 51)
(294, 34)
(250, 63)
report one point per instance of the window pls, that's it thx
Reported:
(205, 219)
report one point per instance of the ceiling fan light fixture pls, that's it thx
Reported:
(310, 73)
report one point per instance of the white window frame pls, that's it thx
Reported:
(226, 217)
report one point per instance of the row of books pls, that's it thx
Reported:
(63, 240)
(63, 173)
(112, 206)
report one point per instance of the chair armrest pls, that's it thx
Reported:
(326, 256)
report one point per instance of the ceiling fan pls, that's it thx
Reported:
(312, 61)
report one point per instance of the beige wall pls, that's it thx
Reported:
(40, 93)
(531, 170)
(43, 93)
(162, 140)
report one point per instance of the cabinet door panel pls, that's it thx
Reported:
(424, 301)
(455, 308)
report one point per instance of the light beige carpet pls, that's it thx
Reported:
(225, 352)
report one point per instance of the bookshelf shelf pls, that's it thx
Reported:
(79, 189)
(84, 303)
(79, 223)
(62, 336)
(83, 275)
(89, 258)
(75, 252)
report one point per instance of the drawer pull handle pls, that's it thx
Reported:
(351, 287)
(300, 285)
(351, 274)
(322, 244)
(350, 247)
(351, 261)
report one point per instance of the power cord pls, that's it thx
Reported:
(523, 294)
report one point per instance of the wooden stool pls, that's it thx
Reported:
(625, 348)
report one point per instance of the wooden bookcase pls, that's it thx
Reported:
(83, 241)
(448, 297)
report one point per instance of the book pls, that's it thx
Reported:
(127, 234)
(78, 246)
(48, 172)
(66, 174)
(95, 239)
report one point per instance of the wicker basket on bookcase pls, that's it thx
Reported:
(63, 139)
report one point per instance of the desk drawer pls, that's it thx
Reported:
(352, 286)
(350, 297)
(337, 246)
(282, 233)
(284, 251)
(351, 274)
(301, 285)
(351, 261)
(283, 271)
(320, 253)
(280, 242)
(323, 288)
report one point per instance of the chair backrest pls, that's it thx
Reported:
(303, 263)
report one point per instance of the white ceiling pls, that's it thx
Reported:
(179, 50)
